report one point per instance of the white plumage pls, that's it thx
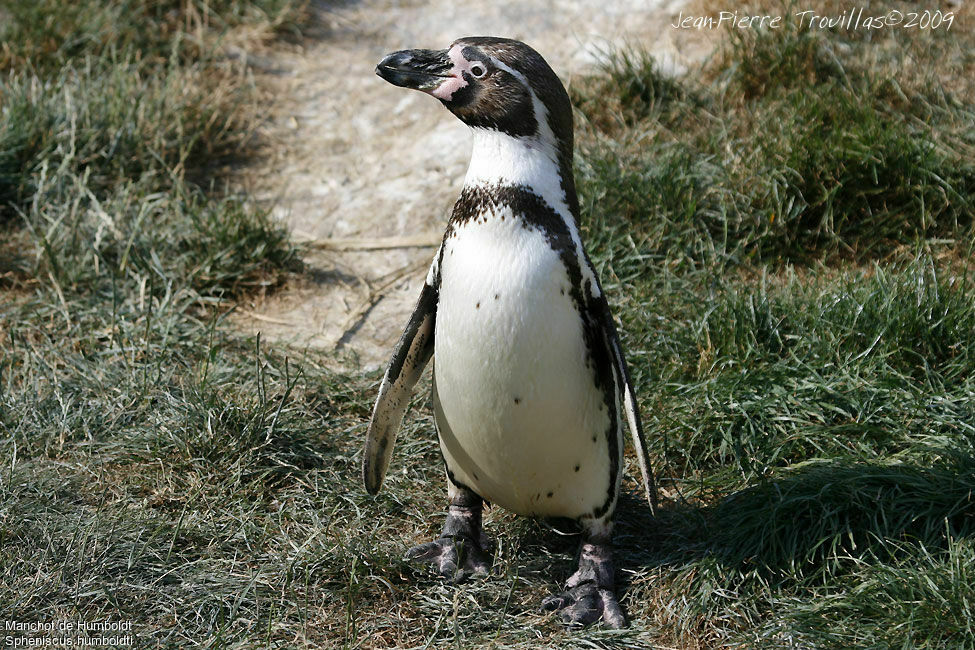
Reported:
(520, 418)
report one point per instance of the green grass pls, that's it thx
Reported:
(125, 406)
(46, 35)
(123, 91)
(793, 261)
(806, 380)
(797, 146)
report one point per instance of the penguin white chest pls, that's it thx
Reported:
(520, 417)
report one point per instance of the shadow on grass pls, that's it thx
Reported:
(809, 522)
(812, 522)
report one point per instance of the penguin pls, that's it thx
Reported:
(530, 383)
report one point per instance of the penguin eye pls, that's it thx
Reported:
(478, 70)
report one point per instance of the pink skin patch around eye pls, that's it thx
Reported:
(447, 89)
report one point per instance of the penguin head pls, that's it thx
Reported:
(488, 83)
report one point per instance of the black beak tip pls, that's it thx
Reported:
(393, 60)
(394, 68)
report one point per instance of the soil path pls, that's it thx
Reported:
(367, 173)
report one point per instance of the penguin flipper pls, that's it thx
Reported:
(635, 426)
(629, 401)
(409, 358)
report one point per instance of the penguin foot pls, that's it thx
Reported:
(585, 604)
(459, 552)
(456, 558)
(589, 593)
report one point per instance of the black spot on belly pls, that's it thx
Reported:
(577, 469)
(550, 495)
(517, 400)
(599, 332)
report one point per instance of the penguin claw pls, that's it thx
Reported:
(455, 558)
(586, 603)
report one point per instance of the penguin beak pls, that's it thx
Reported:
(422, 70)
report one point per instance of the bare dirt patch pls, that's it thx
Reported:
(366, 173)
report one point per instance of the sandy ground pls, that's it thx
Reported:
(367, 172)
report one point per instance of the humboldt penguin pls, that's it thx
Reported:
(530, 384)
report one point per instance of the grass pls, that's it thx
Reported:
(795, 259)
(799, 145)
(798, 307)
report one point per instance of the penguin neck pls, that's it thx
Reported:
(534, 163)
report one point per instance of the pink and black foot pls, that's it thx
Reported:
(589, 593)
(460, 551)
